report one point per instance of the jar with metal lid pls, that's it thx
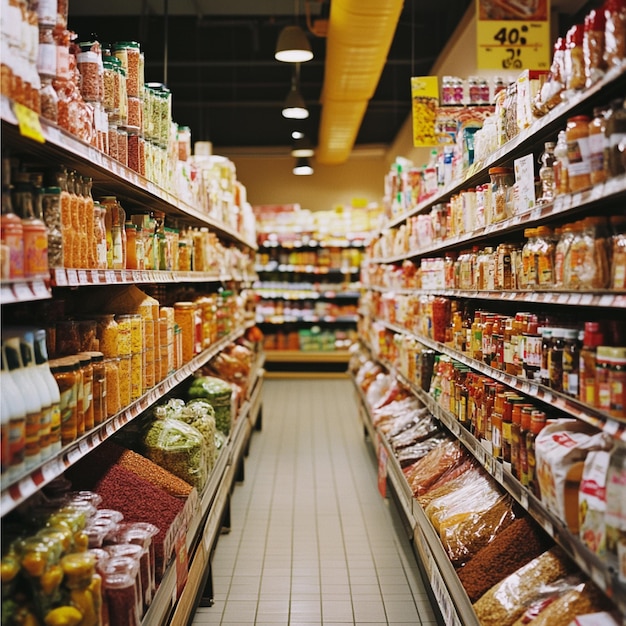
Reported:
(66, 372)
(578, 153)
(502, 180)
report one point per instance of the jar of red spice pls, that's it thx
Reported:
(119, 580)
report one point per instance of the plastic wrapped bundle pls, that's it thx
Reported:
(506, 601)
(219, 393)
(177, 447)
(513, 547)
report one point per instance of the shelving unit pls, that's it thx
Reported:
(296, 297)
(173, 603)
(448, 591)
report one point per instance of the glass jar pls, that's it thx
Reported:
(184, 314)
(128, 52)
(51, 203)
(555, 359)
(617, 383)
(502, 180)
(134, 113)
(544, 255)
(578, 153)
(47, 53)
(546, 174)
(184, 143)
(98, 387)
(66, 372)
(85, 408)
(134, 151)
(89, 65)
(111, 93)
(597, 127)
(113, 400)
(604, 362)
(122, 145)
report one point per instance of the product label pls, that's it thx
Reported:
(578, 157)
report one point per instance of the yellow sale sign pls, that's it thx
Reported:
(513, 34)
(425, 100)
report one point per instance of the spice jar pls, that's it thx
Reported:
(597, 127)
(578, 161)
(501, 185)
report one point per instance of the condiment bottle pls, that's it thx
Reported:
(592, 338)
(555, 359)
(561, 174)
(27, 387)
(42, 365)
(597, 128)
(66, 372)
(571, 362)
(11, 230)
(578, 163)
(546, 342)
(537, 423)
(615, 132)
(526, 413)
(546, 174)
(516, 434)
(14, 413)
(617, 383)
(604, 362)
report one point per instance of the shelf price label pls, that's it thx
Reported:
(28, 122)
(513, 34)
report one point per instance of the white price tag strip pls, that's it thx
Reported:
(72, 277)
(498, 471)
(524, 499)
(82, 277)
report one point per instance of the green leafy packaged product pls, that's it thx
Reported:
(219, 393)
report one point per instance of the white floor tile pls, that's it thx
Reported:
(312, 543)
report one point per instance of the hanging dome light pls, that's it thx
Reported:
(302, 167)
(302, 147)
(293, 46)
(295, 107)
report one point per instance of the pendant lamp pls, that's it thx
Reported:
(293, 46)
(302, 167)
(301, 147)
(295, 107)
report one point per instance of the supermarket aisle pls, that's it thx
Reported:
(312, 541)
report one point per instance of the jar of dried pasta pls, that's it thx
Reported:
(124, 334)
(107, 331)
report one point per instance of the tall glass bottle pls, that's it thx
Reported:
(546, 174)
(91, 256)
(13, 422)
(42, 365)
(66, 216)
(32, 401)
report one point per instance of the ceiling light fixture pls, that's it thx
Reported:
(297, 134)
(302, 147)
(295, 107)
(302, 167)
(293, 46)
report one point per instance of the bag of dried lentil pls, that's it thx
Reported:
(506, 601)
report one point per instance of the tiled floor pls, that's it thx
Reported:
(312, 541)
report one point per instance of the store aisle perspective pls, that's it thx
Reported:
(312, 541)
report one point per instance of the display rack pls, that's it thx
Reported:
(451, 597)
(173, 602)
